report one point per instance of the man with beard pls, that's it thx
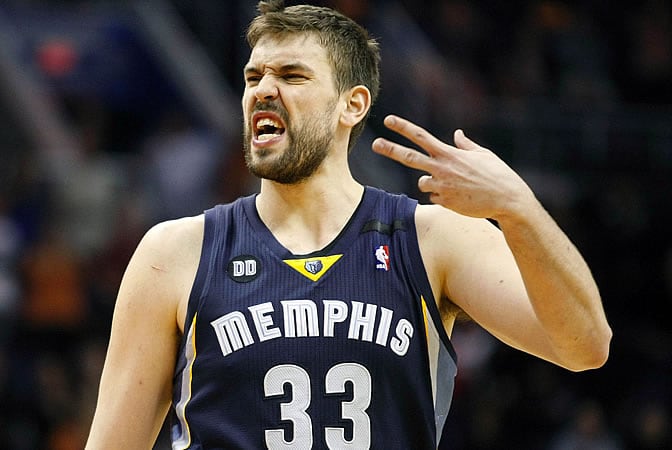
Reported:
(318, 313)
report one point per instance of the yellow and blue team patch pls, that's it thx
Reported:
(313, 268)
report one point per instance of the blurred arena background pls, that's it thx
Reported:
(119, 114)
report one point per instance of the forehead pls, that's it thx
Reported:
(277, 51)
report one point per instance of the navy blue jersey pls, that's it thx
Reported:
(341, 348)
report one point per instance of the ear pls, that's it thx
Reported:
(357, 104)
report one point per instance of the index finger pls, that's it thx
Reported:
(407, 156)
(414, 133)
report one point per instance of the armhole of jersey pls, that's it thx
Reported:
(420, 275)
(199, 289)
(180, 429)
(442, 358)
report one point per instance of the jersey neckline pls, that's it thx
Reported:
(343, 240)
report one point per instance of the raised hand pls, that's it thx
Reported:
(466, 178)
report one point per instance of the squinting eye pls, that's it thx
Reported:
(294, 77)
(253, 79)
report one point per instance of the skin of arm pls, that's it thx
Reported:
(136, 384)
(526, 284)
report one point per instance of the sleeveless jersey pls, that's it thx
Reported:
(341, 348)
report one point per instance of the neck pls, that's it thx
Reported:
(307, 216)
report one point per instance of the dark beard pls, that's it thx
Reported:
(308, 146)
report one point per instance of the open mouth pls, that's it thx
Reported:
(266, 128)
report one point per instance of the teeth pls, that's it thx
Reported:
(267, 122)
(265, 137)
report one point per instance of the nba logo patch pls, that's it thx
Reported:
(383, 258)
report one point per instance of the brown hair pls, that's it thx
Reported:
(352, 53)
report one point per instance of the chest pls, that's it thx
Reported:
(362, 293)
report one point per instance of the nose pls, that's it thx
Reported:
(266, 89)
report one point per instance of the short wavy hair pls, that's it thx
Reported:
(353, 54)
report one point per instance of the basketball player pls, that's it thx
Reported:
(317, 313)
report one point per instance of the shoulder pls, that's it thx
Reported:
(434, 221)
(164, 266)
(169, 252)
(182, 227)
(174, 238)
(452, 243)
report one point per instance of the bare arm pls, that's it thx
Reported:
(528, 285)
(136, 384)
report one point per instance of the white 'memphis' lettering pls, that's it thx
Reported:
(232, 332)
(384, 326)
(263, 322)
(399, 344)
(301, 319)
(362, 321)
(335, 311)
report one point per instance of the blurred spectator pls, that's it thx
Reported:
(182, 167)
(557, 53)
(11, 242)
(88, 187)
(587, 430)
(54, 305)
(647, 63)
(652, 427)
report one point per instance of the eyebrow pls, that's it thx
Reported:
(290, 67)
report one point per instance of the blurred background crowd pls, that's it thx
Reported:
(120, 114)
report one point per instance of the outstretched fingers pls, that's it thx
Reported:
(404, 155)
(408, 156)
(414, 133)
(438, 153)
